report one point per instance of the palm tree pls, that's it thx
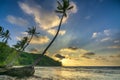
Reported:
(20, 44)
(31, 32)
(1, 31)
(62, 9)
(6, 36)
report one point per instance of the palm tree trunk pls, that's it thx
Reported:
(28, 42)
(39, 58)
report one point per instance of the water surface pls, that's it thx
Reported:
(73, 73)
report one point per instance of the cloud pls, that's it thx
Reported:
(53, 32)
(118, 55)
(102, 58)
(73, 56)
(115, 56)
(95, 35)
(87, 17)
(117, 41)
(17, 20)
(87, 55)
(75, 9)
(33, 50)
(105, 39)
(114, 47)
(73, 48)
(24, 33)
(75, 53)
(103, 36)
(40, 40)
(46, 20)
(59, 56)
(37, 40)
(107, 32)
(18, 38)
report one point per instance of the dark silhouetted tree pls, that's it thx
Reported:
(6, 36)
(32, 33)
(1, 31)
(21, 45)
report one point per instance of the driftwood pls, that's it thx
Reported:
(18, 71)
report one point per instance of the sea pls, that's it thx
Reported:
(72, 73)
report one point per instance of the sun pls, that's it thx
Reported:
(70, 62)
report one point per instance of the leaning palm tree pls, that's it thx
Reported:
(31, 32)
(6, 36)
(20, 44)
(62, 8)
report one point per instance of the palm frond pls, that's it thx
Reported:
(1, 29)
(70, 7)
(58, 11)
(65, 14)
(65, 4)
(59, 8)
(59, 5)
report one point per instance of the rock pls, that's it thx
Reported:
(19, 72)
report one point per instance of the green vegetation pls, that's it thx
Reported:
(4, 35)
(7, 54)
(28, 58)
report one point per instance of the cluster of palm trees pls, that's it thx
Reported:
(4, 35)
(25, 41)
(62, 8)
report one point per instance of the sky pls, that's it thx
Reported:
(89, 36)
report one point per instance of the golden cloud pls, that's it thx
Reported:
(73, 56)
(46, 20)
(73, 52)
(40, 40)
(53, 32)
(33, 50)
(37, 40)
(87, 55)
(59, 56)
(67, 50)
